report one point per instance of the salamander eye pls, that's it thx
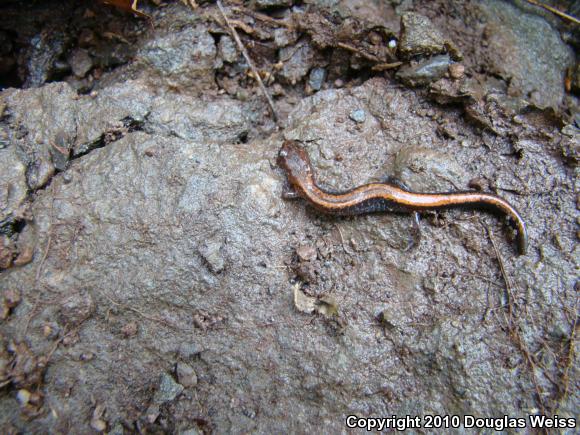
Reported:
(283, 153)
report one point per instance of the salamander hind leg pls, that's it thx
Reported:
(415, 237)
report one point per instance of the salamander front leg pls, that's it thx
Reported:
(415, 236)
(288, 192)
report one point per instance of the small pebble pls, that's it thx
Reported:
(167, 391)
(24, 257)
(81, 62)
(87, 356)
(306, 252)
(11, 298)
(358, 116)
(99, 425)
(186, 375)
(23, 397)
(227, 49)
(456, 71)
(129, 330)
(316, 78)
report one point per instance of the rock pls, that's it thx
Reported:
(167, 391)
(188, 350)
(152, 413)
(227, 49)
(170, 55)
(97, 421)
(23, 397)
(425, 72)
(129, 330)
(358, 116)
(517, 43)
(316, 78)
(13, 188)
(222, 120)
(186, 375)
(11, 298)
(25, 256)
(306, 252)
(296, 62)
(456, 71)
(6, 252)
(44, 50)
(419, 36)
(284, 37)
(427, 170)
(211, 253)
(80, 62)
(42, 114)
(76, 308)
(60, 151)
(267, 4)
(117, 429)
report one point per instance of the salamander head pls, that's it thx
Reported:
(295, 161)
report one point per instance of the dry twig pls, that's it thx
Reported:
(565, 379)
(41, 265)
(513, 326)
(555, 11)
(144, 315)
(247, 57)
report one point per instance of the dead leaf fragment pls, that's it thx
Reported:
(306, 252)
(325, 305)
(126, 5)
(303, 302)
(97, 422)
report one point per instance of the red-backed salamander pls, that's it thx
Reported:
(381, 197)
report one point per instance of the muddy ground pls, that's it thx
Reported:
(154, 280)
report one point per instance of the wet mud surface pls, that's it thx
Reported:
(154, 280)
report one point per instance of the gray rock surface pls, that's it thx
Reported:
(297, 61)
(168, 390)
(13, 187)
(227, 49)
(419, 36)
(162, 246)
(527, 52)
(425, 72)
(316, 78)
(80, 62)
(182, 58)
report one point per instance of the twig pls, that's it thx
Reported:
(247, 57)
(263, 17)
(241, 25)
(41, 264)
(143, 315)
(570, 357)
(386, 66)
(513, 328)
(555, 11)
(505, 276)
(59, 341)
(341, 239)
(352, 49)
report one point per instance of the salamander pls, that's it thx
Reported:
(383, 197)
